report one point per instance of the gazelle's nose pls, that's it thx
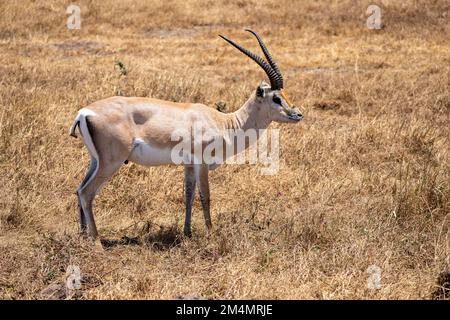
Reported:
(295, 114)
(299, 113)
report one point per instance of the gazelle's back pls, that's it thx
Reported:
(150, 119)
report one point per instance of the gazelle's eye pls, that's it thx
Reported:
(277, 100)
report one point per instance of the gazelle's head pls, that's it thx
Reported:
(272, 97)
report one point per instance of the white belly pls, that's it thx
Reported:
(148, 155)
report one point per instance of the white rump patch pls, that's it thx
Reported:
(87, 139)
(86, 112)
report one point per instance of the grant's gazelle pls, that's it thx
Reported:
(121, 129)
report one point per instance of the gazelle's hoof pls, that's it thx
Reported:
(98, 244)
(209, 229)
(187, 233)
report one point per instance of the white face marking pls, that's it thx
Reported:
(148, 155)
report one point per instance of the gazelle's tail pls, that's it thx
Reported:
(81, 121)
(75, 123)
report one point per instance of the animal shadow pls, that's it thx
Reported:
(124, 241)
(164, 238)
(160, 238)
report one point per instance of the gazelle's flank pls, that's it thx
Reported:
(119, 129)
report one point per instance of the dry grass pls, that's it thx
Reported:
(364, 180)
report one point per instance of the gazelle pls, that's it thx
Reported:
(121, 129)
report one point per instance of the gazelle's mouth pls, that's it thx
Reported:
(295, 116)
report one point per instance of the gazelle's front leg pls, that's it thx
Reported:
(201, 176)
(189, 192)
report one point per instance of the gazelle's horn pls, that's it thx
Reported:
(271, 73)
(269, 58)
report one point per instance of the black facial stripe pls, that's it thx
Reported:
(276, 100)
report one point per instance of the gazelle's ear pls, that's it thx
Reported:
(260, 91)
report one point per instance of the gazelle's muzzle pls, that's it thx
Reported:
(292, 111)
(294, 114)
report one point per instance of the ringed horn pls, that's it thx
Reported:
(271, 68)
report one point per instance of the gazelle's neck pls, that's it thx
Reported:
(250, 116)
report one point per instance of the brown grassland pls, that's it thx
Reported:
(364, 180)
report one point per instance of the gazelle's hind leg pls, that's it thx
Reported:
(90, 172)
(87, 193)
(106, 159)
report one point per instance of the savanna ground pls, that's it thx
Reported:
(364, 180)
